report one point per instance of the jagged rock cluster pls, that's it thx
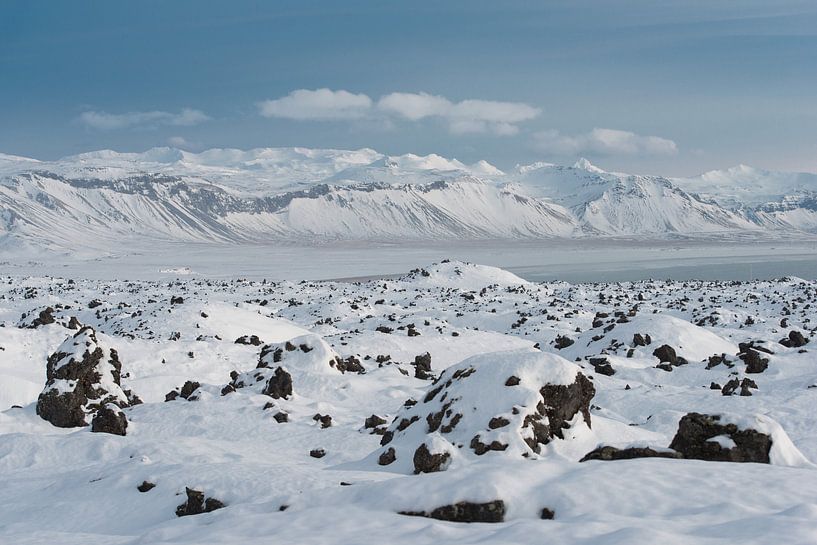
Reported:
(83, 383)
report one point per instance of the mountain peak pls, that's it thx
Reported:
(585, 164)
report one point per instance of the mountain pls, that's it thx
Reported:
(99, 199)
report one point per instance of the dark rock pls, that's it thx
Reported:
(279, 385)
(493, 511)
(110, 419)
(754, 362)
(281, 417)
(512, 381)
(730, 387)
(794, 340)
(188, 388)
(324, 419)
(547, 514)
(67, 408)
(563, 341)
(374, 421)
(666, 354)
(387, 457)
(317, 453)
(196, 504)
(251, 340)
(613, 453)
(426, 462)
(422, 366)
(695, 431)
(145, 486)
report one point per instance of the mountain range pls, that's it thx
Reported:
(101, 198)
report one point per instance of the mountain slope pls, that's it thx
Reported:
(99, 199)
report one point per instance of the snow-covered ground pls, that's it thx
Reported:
(508, 355)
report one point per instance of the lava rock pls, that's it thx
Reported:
(110, 419)
(629, 453)
(695, 431)
(493, 511)
(197, 504)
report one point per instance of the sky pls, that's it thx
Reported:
(643, 86)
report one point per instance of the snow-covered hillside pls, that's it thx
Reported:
(457, 403)
(99, 199)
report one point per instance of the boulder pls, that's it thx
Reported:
(82, 377)
(110, 419)
(197, 503)
(629, 453)
(470, 411)
(492, 511)
(707, 437)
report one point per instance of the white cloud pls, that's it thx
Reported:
(414, 106)
(467, 116)
(105, 121)
(320, 104)
(604, 142)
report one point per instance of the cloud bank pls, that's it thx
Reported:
(467, 116)
(603, 142)
(107, 121)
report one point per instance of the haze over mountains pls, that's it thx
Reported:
(102, 198)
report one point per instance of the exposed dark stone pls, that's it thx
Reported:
(196, 504)
(695, 431)
(279, 385)
(176, 300)
(45, 317)
(666, 354)
(754, 362)
(563, 402)
(426, 462)
(547, 514)
(324, 419)
(422, 366)
(387, 457)
(188, 388)
(251, 340)
(350, 364)
(602, 366)
(794, 340)
(73, 323)
(498, 422)
(374, 421)
(641, 340)
(68, 409)
(563, 341)
(481, 448)
(613, 453)
(145, 486)
(317, 453)
(512, 381)
(281, 417)
(109, 420)
(493, 511)
(730, 387)
(714, 361)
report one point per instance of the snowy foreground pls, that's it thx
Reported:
(328, 422)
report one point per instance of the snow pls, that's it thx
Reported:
(308, 196)
(74, 486)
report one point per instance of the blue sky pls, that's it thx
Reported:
(644, 86)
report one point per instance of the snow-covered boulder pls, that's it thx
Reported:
(734, 438)
(503, 402)
(82, 378)
(462, 275)
(302, 361)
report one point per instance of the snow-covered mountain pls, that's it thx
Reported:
(297, 194)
